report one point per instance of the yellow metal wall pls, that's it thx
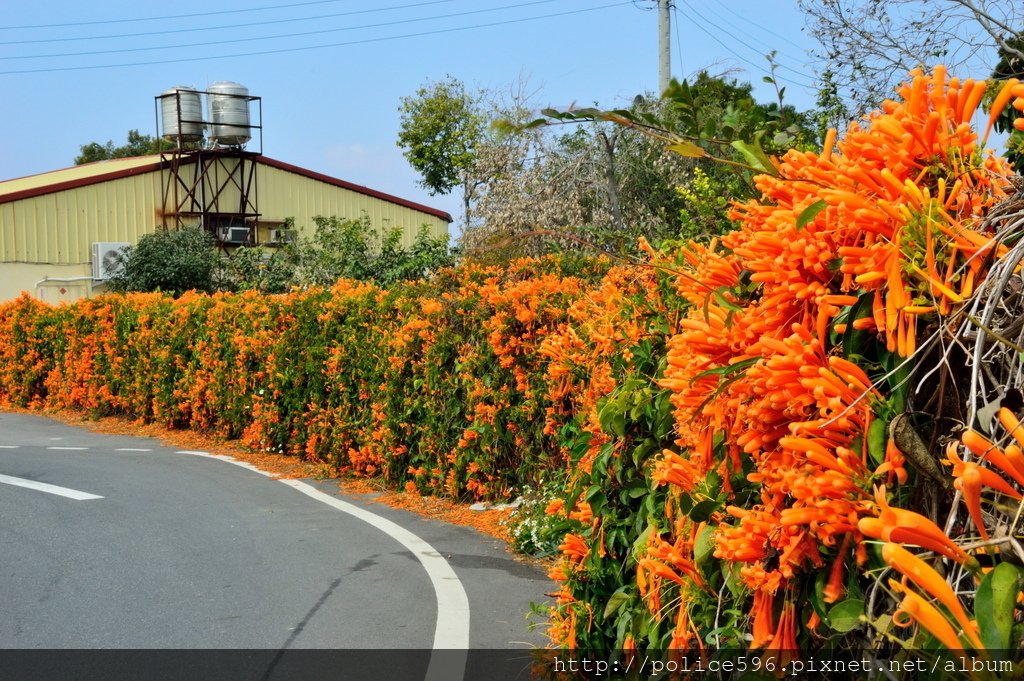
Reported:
(59, 228)
(283, 194)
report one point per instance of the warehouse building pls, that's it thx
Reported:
(57, 229)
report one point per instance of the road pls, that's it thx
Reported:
(118, 543)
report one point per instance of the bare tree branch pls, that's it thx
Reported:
(870, 45)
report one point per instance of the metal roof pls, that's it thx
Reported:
(76, 176)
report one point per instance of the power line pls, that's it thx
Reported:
(752, 49)
(762, 28)
(743, 59)
(679, 42)
(222, 26)
(300, 34)
(171, 16)
(306, 48)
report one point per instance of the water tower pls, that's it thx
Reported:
(210, 158)
(181, 110)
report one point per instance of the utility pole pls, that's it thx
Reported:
(664, 45)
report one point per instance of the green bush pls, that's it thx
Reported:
(171, 261)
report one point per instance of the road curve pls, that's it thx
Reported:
(171, 551)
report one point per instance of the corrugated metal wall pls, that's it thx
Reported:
(283, 194)
(59, 227)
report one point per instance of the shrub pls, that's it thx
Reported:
(172, 261)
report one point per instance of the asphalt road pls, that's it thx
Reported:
(163, 549)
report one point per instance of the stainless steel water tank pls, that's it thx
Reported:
(229, 113)
(181, 106)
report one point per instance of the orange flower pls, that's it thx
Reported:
(763, 617)
(894, 463)
(907, 527)
(575, 548)
(783, 646)
(971, 476)
(684, 634)
(927, 579)
(834, 587)
(913, 608)
(554, 507)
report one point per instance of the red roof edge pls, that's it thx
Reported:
(79, 182)
(266, 160)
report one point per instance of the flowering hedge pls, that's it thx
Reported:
(433, 385)
(738, 430)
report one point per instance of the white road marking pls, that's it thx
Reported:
(8, 446)
(226, 459)
(132, 449)
(451, 632)
(69, 449)
(452, 603)
(48, 488)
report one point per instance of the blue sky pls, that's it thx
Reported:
(331, 73)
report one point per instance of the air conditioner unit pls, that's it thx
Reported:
(282, 236)
(107, 258)
(234, 235)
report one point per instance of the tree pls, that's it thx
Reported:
(870, 45)
(137, 145)
(608, 180)
(441, 127)
(267, 270)
(595, 186)
(173, 262)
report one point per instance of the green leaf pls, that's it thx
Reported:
(642, 451)
(755, 157)
(808, 214)
(853, 339)
(726, 370)
(637, 491)
(846, 615)
(816, 597)
(725, 302)
(878, 437)
(615, 601)
(702, 511)
(994, 606)
(704, 547)
(687, 149)
(612, 417)
(732, 578)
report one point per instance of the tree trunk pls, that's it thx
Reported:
(467, 200)
(608, 147)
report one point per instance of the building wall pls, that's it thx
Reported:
(59, 228)
(51, 235)
(50, 283)
(283, 194)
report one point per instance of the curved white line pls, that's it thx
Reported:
(451, 633)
